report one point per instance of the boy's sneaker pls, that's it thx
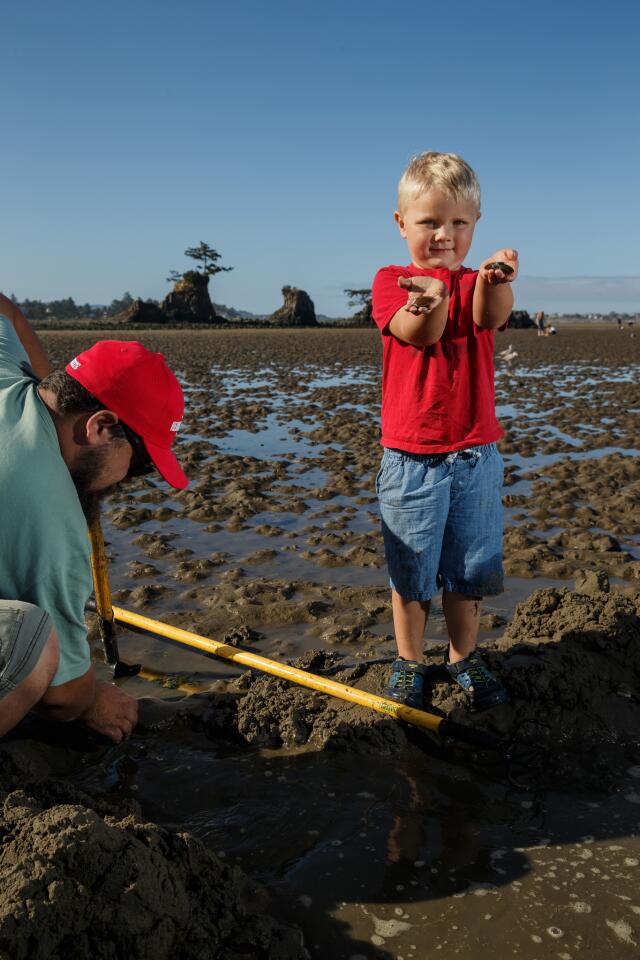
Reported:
(482, 688)
(406, 684)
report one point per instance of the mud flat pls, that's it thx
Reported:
(361, 839)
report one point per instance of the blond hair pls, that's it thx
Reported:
(445, 171)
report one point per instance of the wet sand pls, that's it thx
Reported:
(371, 842)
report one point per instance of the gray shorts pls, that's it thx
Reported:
(24, 631)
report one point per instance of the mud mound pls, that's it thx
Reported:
(79, 882)
(575, 659)
(598, 619)
(275, 713)
(570, 660)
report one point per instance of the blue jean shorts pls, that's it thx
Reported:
(442, 521)
(24, 631)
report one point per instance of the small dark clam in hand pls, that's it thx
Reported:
(499, 265)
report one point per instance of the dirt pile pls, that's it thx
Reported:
(79, 879)
(274, 713)
(570, 660)
(574, 659)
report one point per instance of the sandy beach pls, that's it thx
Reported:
(249, 818)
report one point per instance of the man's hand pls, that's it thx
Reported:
(114, 713)
(425, 293)
(491, 270)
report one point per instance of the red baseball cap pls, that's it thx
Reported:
(137, 385)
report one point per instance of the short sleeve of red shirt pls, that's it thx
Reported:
(438, 398)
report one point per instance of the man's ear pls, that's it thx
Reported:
(98, 427)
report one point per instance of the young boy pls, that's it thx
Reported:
(440, 481)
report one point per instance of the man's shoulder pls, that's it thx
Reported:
(40, 509)
(12, 353)
(35, 471)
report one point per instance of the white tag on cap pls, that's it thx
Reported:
(75, 363)
(175, 426)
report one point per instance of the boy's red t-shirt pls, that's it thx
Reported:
(437, 398)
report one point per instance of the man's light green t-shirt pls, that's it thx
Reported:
(44, 548)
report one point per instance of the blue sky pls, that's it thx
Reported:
(276, 132)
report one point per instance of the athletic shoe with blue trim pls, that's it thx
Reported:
(406, 684)
(482, 688)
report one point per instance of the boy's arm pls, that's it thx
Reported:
(493, 297)
(27, 337)
(422, 320)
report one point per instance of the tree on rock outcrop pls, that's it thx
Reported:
(189, 301)
(208, 257)
(297, 310)
(205, 255)
(362, 299)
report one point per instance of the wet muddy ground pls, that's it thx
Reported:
(373, 842)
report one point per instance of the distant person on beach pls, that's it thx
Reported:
(540, 322)
(66, 438)
(440, 482)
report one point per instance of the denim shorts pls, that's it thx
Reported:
(442, 521)
(24, 631)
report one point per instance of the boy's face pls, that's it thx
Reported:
(438, 229)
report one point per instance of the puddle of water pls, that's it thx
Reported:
(387, 857)
(556, 433)
(275, 437)
(350, 376)
(545, 459)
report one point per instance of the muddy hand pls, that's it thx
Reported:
(425, 293)
(501, 267)
(114, 713)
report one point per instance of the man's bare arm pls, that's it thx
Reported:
(493, 296)
(27, 336)
(68, 701)
(101, 705)
(422, 321)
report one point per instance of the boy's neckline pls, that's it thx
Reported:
(412, 266)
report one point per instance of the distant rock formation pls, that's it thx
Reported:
(142, 312)
(520, 320)
(189, 300)
(297, 310)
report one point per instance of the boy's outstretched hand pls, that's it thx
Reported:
(500, 267)
(425, 293)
